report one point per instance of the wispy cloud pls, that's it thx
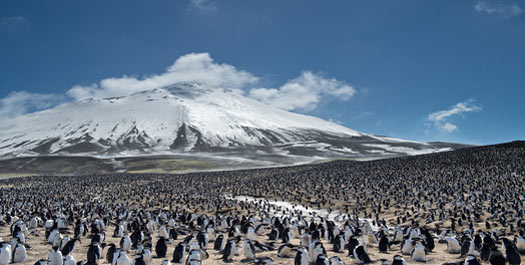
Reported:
(506, 11)
(203, 6)
(363, 115)
(14, 24)
(303, 93)
(442, 119)
(21, 102)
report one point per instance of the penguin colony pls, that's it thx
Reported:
(457, 208)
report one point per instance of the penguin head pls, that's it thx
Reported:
(398, 258)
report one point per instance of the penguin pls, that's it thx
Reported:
(273, 235)
(250, 233)
(520, 243)
(306, 239)
(79, 230)
(173, 235)
(161, 248)
(361, 256)
(229, 251)
(263, 261)
(146, 255)
(194, 257)
(419, 253)
(5, 253)
(125, 243)
(414, 233)
(465, 248)
(488, 240)
(56, 242)
(35, 222)
(398, 260)
(511, 252)
(111, 253)
(286, 236)
(121, 258)
(352, 244)
(69, 260)
(478, 241)
(20, 236)
(249, 250)
(55, 256)
(453, 246)
(496, 257)
(94, 253)
(219, 243)
(284, 251)
(407, 246)
(322, 260)
(202, 238)
(339, 244)
(166, 262)
(163, 232)
(19, 253)
(179, 253)
(99, 237)
(69, 247)
(316, 249)
(471, 260)
(302, 257)
(138, 259)
(398, 236)
(384, 245)
(119, 231)
(39, 262)
(336, 261)
(429, 241)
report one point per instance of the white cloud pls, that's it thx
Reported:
(193, 67)
(507, 11)
(15, 23)
(21, 102)
(442, 119)
(303, 93)
(204, 5)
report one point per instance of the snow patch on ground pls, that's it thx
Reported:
(307, 212)
(403, 149)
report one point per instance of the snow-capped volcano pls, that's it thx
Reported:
(188, 118)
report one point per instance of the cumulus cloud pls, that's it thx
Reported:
(21, 102)
(14, 23)
(443, 119)
(193, 67)
(303, 93)
(507, 11)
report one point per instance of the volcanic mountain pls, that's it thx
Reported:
(190, 118)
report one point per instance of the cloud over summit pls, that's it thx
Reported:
(302, 93)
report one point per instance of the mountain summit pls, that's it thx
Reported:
(190, 118)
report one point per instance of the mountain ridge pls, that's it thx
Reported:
(190, 118)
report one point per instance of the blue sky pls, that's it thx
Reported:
(424, 70)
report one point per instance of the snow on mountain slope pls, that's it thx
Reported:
(187, 118)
